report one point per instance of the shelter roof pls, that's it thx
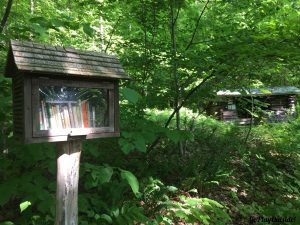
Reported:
(283, 90)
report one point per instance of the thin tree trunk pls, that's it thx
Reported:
(101, 29)
(145, 50)
(112, 34)
(183, 102)
(31, 7)
(197, 24)
(251, 120)
(6, 15)
(175, 69)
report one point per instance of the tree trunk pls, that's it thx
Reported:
(101, 29)
(175, 70)
(6, 15)
(68, 161)
(31, 7)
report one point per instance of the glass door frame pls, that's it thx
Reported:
(112, 104)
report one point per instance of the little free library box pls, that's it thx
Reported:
(62, 94)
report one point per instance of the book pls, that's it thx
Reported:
(88, 113)
(41, 119)
(58, 116)
(98, 119)
(66, 117)
(71, 115)
(75, 116)
(84, 114)
(52, 117)
(93, 116)
(48, 115)
(44, 117)
(61, 118)
(55, 115)
(80, 114)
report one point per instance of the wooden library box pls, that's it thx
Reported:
(61, 94)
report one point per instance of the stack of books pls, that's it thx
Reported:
(66, 114)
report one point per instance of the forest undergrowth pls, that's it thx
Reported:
(221, 178)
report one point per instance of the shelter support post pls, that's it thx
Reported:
(68, 161)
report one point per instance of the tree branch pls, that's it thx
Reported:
(177, 14)
(190, 93)
(197, 24)
(251, 120)
(111, 34)
(6, 15)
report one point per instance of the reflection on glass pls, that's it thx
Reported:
(70, 107)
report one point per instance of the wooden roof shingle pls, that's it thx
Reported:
(36, 58)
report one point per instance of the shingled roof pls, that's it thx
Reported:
(45, 59)
(285, 90)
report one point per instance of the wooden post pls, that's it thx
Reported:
(68, 160)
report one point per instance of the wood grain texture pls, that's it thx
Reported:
(68, 160)
(18, 106)
(32, 57)
(67, 138)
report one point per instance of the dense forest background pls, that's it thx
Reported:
(173, 164)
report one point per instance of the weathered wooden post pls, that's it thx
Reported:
(63, 95)
(68, 160)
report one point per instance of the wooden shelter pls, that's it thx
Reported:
(273, 104)
(61, 93)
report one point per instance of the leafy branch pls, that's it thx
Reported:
(197, 25)
(184, 101)
(6, 15)
(111, 34)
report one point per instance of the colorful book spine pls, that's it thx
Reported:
(41, 119)
(49, 115)
(66, 117)
(57, 116)
(44, 117)
(52, 117)
(71, 115)
(88, 113)
(80, 114)
(61, 117)
(75, 116)
(84, 114)
(93, 116)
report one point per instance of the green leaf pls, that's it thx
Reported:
(87, 29)
(7, 190)
(126, 146)
(94, 150)
(131, 95)
(140, 144)
(7, 223)
(6, 193)
(24, 205)
(212, 202)
(57, 23)
(172, 189)
(252, 113)
(106, 217)
(265, 91)
(131, 179)
(38, 19)
(105, 174)
(173, 135)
